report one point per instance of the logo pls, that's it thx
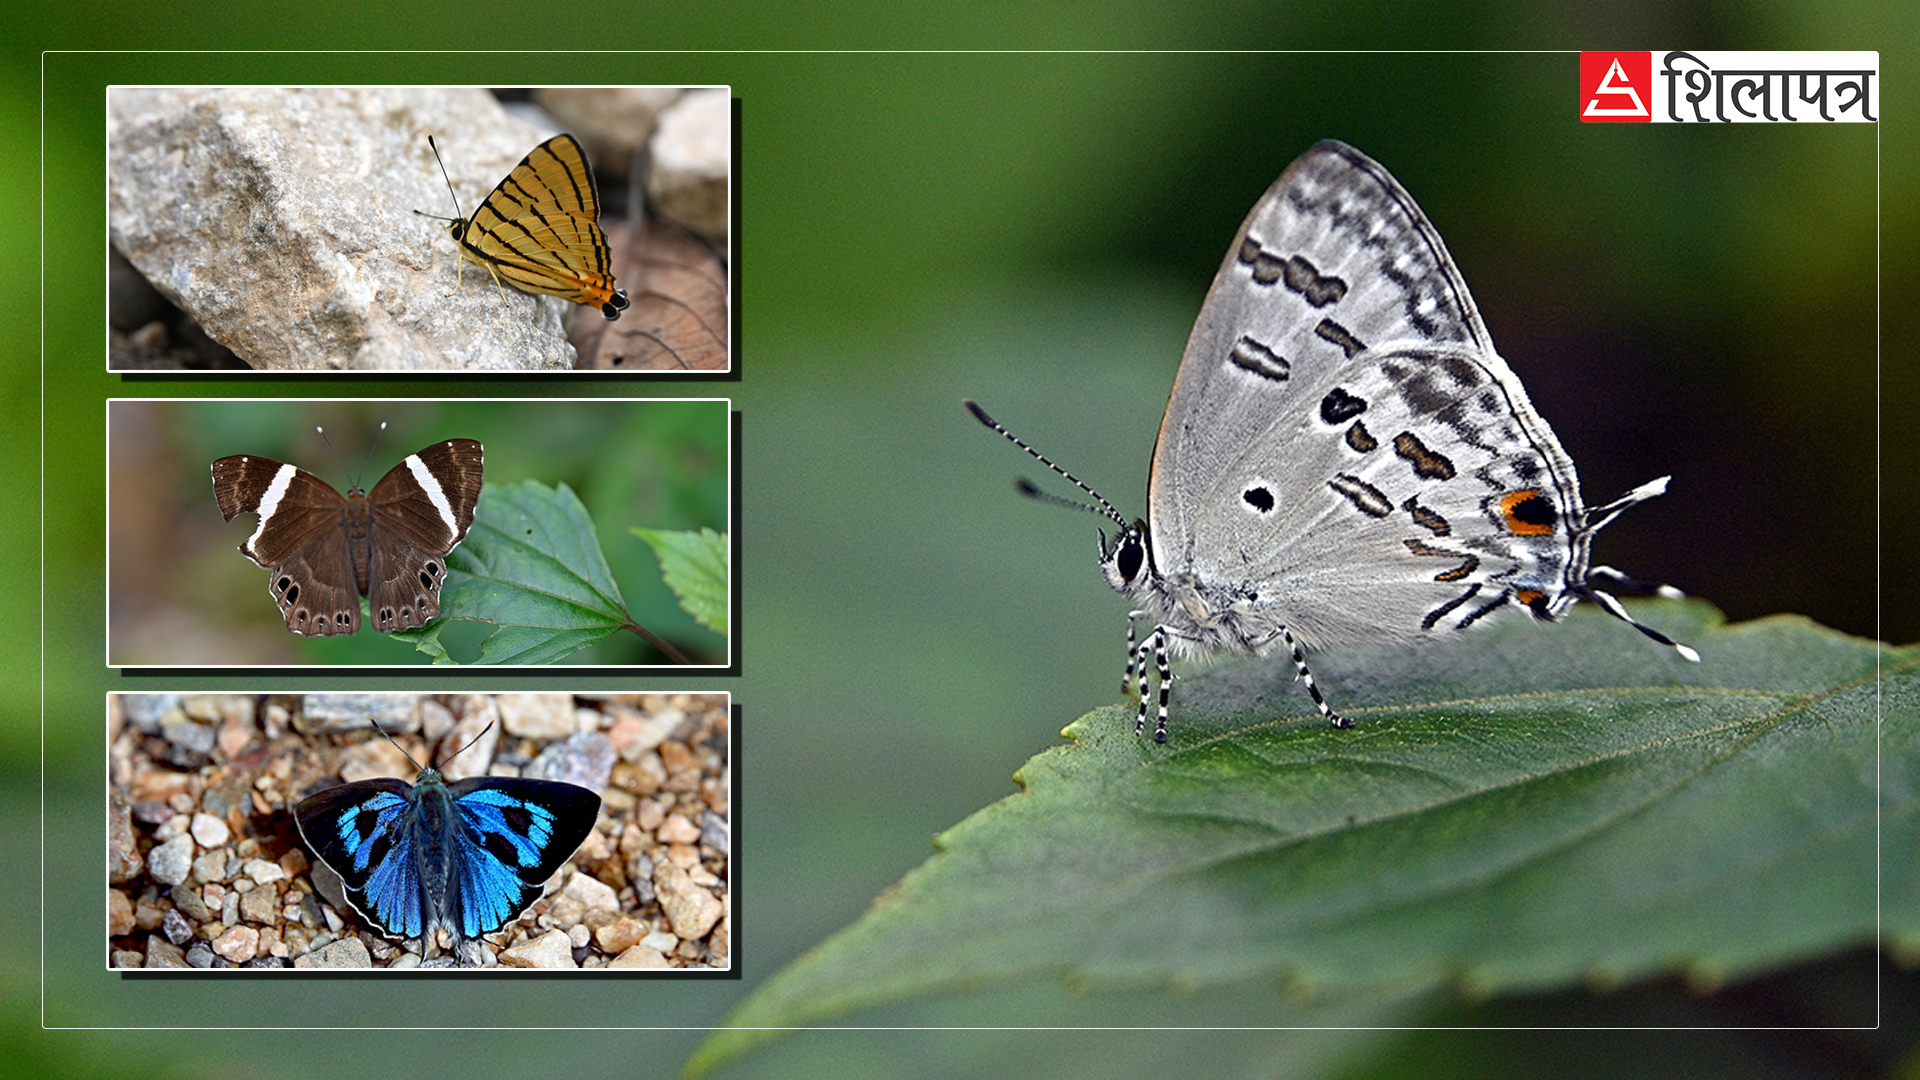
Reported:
(1729, 87)
(1616, 87)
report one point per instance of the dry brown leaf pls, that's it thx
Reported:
(677, 320)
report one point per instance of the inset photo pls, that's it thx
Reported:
(461, 831)
(268, 532)
(426, 229)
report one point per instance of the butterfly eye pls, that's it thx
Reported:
(1130, 555)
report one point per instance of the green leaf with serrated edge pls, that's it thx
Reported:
(694, 566)
(1522, 808)
(427, 640)
(531, 564)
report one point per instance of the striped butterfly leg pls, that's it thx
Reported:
(1607, 575)
(1154, 646)
(1301, 673)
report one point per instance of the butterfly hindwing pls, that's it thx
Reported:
(364, 831)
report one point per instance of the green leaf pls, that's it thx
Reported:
(694, 566)
(1523, 808)
(532, 564)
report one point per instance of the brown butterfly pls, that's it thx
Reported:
(325, 552)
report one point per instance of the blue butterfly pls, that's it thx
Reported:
(468, 857)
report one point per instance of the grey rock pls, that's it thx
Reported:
(144, 711)
(691, 153)
(585, 759)
(169, 863)
(282, 221)
(176, 927)
(348, 952)
(188, 901)
(321, 714)
(713, 831)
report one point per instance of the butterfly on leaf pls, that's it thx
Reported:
(540, 229)
(467, 857)
(1345, 459)
(325, 551)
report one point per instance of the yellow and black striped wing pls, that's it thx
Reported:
(540, 229)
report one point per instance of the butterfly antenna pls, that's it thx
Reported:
(370, 450)
(449, 180)
(470, 742)
(396, 744)
(1026, 487)
(335, 453)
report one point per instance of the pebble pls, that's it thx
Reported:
(582, 896)
(550, 950)
(238, 943)
(640, 956)
(676, 829)
(258, 905)
(176, 927)
(262, 872)
(119, 913)
(619, 935)
(123, 855)
(541, 717)
(347, 952)
(169, 863)
(162, 953)
(209, 831)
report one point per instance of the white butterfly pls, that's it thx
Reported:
(1345, 459)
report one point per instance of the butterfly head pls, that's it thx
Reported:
(1127, 560)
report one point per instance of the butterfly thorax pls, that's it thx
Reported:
(1198, 616)
(358, 522)
(434, 854)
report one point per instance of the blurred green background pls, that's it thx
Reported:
(1037, 231)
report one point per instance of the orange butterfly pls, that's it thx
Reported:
(540, 229)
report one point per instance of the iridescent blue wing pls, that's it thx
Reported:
(364, 831)
(513, 834)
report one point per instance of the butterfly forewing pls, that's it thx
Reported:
(540, 229)
(1334, 258)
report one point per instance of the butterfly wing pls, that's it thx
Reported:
(365, 832)
(420, 511)
(1420, 494)
(1342, 439)
(301, 540)
(540, 229)
(1334, 258)
(513, 834)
